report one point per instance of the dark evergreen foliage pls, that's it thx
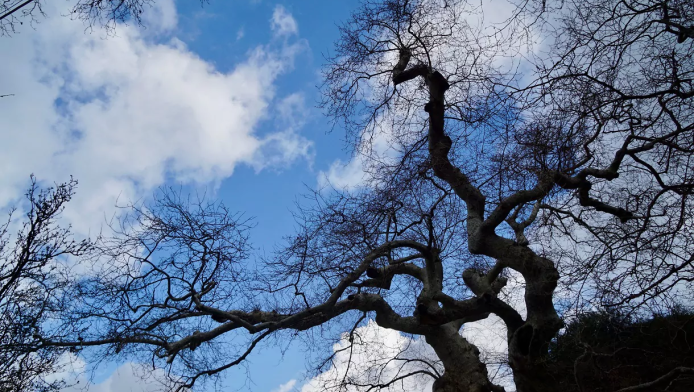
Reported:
(608, 351)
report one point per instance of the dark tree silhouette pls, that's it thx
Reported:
(603, 351)
(34, 279)
(104, 13)
(490, 158)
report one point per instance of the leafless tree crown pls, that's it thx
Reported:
(100, 13)
(549, 150)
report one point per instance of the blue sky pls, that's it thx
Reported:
(222, 33)
(219, 97)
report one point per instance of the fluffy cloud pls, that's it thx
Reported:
(283, 23)
(371, 361)
(380, 146)
(126, 113)
(341, 175)
(286, 387)
(127, 377)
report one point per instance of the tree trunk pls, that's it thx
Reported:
(463, 370)
(533, 376)
(527, 355)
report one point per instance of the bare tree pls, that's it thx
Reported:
(623, 71)
(105, 13)
(489, 157)
(34, 277)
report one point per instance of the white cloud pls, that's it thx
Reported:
(286, 387)
(380, 145)
(126, 113)
(283, 23)
(489, 336)
(292, 110)
(128, 377)
(341, 175)
(372, 361)
(160, 16)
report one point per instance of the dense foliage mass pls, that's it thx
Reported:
(609, 352)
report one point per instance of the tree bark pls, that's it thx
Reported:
(528, 342)
(463, 370)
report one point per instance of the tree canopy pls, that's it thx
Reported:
(548, 153)
(102, 13)
(34, 276)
